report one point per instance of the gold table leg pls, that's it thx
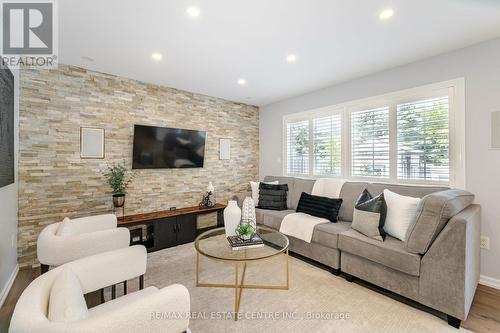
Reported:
(240, 285)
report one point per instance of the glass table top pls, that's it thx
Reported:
(213, 244)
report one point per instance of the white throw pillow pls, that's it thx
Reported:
(401, 214)
(65, 228)
(66, 302)
(255, 190)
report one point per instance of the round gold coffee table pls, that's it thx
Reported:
(214, 245)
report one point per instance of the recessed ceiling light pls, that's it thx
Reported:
(157, 56)
(386, 14)
(291, 58)
(193, 11)
(242, 82)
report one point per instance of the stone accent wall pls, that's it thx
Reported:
(55, 182)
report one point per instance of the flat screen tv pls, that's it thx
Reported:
(161, 147)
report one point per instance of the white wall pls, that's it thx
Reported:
(480, 65)
(8, 211)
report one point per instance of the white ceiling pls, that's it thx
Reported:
(334, 40)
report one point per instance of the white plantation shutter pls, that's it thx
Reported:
(297, 142)
(327, 142)
(370, 143)
(423, 140)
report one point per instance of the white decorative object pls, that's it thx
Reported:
(255, 190)
(91, 142)
(210, 187)
(248, 212)
(232, 217)
(401, 214)
(224, 149)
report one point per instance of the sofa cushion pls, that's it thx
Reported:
(327, 234)
(435, 210)
(271, 218)
(401, 214)
(273, 196)
(295, 188)
(391, 252)
(369, 215)
(350, 193)
(323, 207)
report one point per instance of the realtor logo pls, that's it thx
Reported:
(29, 34)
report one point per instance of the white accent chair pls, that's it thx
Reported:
(89, 235)
(140, 311)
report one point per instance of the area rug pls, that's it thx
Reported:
(317, 301)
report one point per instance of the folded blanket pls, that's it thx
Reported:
(328, 187)
(300, 225)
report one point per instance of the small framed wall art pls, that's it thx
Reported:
(224, 149)
(92, 142)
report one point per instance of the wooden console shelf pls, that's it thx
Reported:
(170, 227)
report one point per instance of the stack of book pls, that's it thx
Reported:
(239, 244)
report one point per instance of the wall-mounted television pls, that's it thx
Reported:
(162, 147)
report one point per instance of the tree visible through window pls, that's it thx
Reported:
(370, 143)
(423, 140)
(327, 142)
(298, 148)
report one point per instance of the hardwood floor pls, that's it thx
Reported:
(484, 316)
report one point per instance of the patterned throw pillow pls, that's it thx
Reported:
(318, 206)
(369, 215)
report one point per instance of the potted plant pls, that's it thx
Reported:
(245, 230)
(118, 178)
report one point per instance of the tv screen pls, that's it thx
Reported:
(161, 147)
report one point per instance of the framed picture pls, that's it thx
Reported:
(224, 149)
(91, 142)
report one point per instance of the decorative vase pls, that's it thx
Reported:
(232, 217)
(118, 200)
(208, 199)
(248, 212)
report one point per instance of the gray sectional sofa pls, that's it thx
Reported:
(437, 265)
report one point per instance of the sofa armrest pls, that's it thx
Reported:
(241, 196)
(164, 311)
(108, 268)
(57, 250)
(449, 271)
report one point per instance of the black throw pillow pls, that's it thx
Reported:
(369, 215)
(272, 196)
(315, 205)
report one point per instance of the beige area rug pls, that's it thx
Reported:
(317, 301)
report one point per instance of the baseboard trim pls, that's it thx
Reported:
(8, 285)
(489, 282)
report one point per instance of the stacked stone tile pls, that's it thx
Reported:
(55, 182)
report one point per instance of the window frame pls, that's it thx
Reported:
(454, 89)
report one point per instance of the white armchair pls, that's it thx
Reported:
(89, 235)
(141, 311)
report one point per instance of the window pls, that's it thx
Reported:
(412, 136)
(327, 145)
(423, 140)
(298, 148)
(370, 143)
